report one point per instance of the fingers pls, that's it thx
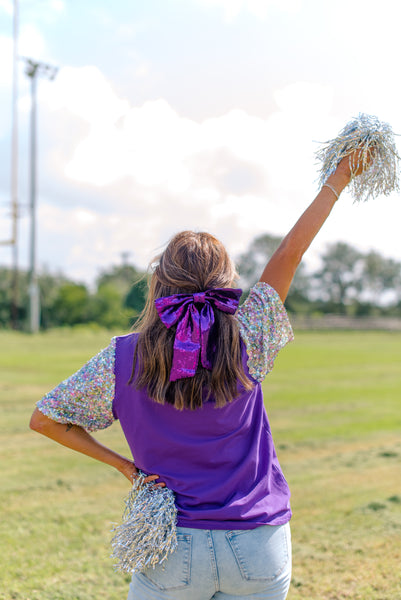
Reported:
(150, 479)
(361, 159)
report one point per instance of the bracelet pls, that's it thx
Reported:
(337, 195)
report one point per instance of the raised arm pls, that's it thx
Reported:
(280, 270)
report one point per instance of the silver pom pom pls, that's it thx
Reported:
(148, 533)
(378, 157)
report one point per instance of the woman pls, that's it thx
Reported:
(187, 391)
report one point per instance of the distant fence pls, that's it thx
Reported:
(344, 322)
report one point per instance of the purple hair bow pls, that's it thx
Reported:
(193, 327)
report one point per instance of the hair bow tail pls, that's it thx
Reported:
(187, 345)
(206, 325)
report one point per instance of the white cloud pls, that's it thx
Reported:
(6, 6)
(85, 217)
(57, 6)
(134, 175)
(154, 146)
(142, 70)
(158, 172)
(86, 93)
(258, 8)
(46, 8)
(302, 99)
(6, 53)
(31, 43)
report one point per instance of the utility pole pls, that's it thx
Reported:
(13, 242)
(33, 71)
(14, 174)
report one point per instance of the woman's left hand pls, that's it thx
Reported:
(129, 470)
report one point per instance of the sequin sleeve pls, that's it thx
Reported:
(85, 398)
(264, 328)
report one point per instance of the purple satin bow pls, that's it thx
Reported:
(193, 327)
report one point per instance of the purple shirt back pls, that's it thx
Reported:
(220, 462)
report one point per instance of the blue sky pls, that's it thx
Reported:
(200, 114)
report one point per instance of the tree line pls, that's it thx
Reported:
(347, 282)
(117, 300)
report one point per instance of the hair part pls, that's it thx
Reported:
(192, 262)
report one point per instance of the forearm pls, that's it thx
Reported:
(281, 268)
(298, 240)
(78, 439)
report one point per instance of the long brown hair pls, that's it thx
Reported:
(192, 262)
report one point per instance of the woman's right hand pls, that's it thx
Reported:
(352, 165)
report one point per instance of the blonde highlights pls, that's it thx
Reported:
(192, 262)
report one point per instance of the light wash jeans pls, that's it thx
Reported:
(221, 565)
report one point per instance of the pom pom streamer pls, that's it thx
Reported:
(148, 532)
(378, 157)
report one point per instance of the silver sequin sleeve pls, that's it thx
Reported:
(264, 328)
(85, 398)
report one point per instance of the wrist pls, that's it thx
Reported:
(116, 460)
(342, 175)
(127, 468)
(338, 180)
(123, 464)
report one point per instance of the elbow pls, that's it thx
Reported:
(38, 421)
(34, 422)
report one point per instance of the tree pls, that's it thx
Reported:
(136, 297)
(131, 285)
(5, 297)
(122, 277)
(49, 286)
(339, 281)
(380, 275)
(106, 307)
(71, 304)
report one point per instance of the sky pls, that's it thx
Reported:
(191, 114)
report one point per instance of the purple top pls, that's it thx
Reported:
(220, 462)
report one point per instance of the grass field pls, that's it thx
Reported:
(334, 403)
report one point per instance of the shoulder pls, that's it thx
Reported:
(126, 343)
(264, 327)
(262, 304)
(261, 294)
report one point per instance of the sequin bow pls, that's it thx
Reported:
(194, 327)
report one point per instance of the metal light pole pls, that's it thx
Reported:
(33, 70)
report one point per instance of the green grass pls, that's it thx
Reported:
(334, 403)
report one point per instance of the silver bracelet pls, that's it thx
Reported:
(337, 195)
